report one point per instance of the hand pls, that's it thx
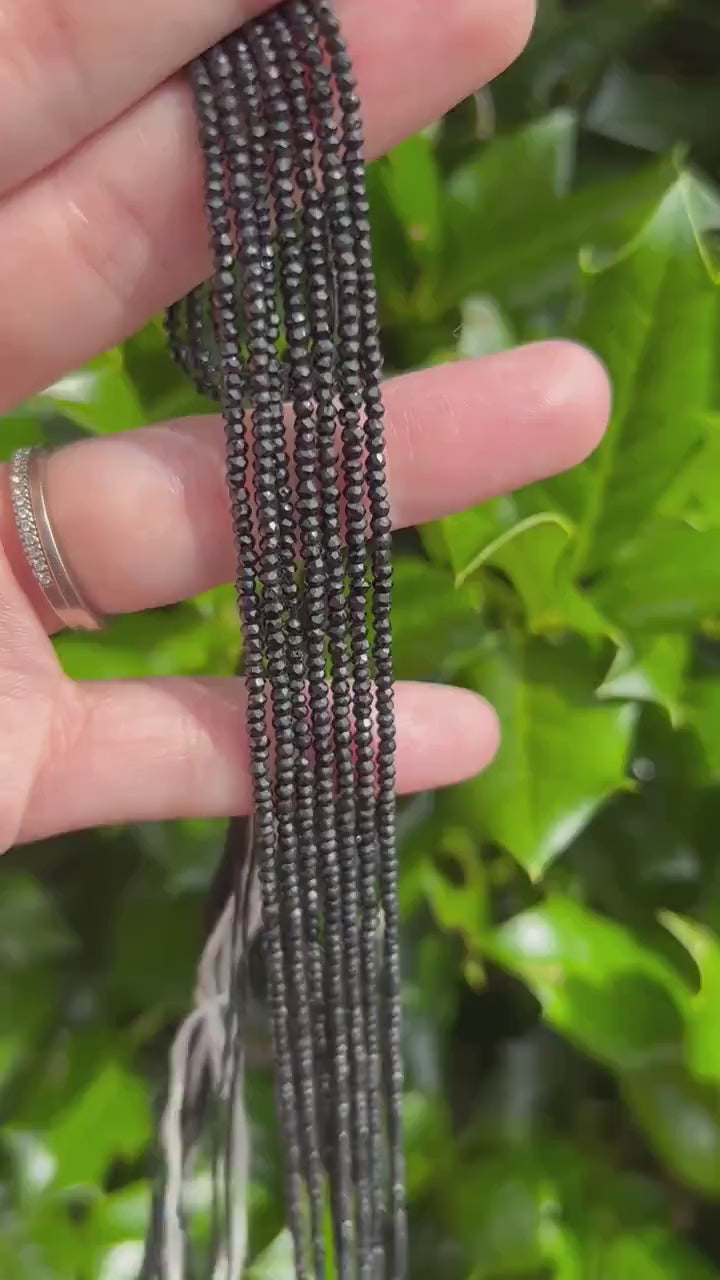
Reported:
(101, 225)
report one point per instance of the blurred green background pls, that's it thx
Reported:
(561, 913)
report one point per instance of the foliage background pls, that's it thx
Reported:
(562, 913)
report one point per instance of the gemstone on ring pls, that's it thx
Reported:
(39, 543)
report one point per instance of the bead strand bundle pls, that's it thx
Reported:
(285, 337)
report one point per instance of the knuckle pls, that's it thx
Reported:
(108, 235)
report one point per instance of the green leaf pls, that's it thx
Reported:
(460, 539)
(665, 579)
(562, 752)
(396, 267)
(652, 1254)
(681, 1118)
(654, 111)
(19, 430)
(185, 852)
(152, 966)
(99, 397)
(455, 887)
(568, 50)
(277, 1262)
(519, 241)
(123, 1215)
(484, 329)
(413, 183)
(596, 983)
(696, 494)
(499, 1211)
(428, 1141)
(487, 207)
(432, 618)
(652, 316)
(535, 555)
(494, 551)
(165, 642)
(108, 1120)
(162, 389)
(31, 931)
(652, 670)
(703, 718)
(703, 1041)
(546, 152)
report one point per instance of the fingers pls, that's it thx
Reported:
(142, 517)
(106, 237)
(145, 751)
(69, 67)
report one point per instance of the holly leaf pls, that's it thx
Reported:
(520, 240)
(651, 314)
(596, 983)
(652, 670)
(563, 752)
(703, 1042)
(664, 580)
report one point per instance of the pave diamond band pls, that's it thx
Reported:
(40, 545)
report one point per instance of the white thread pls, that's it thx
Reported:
(200, 1047)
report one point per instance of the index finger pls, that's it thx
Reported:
(68, 67)
(104, 239)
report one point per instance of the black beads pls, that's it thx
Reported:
(285, 336)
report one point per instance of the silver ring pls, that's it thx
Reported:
(27, 471)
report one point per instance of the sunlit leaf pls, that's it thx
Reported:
(277, 1262)
(536, 556)
(18, 430)
(99, 397)
(703, 717)
(562, 751)
(520, 240)
(703, 1042)
(596, 983)
(413, 182)
(652, 1254)
(484, 329)
(109, 1119)
(653, 670)
(651, 314)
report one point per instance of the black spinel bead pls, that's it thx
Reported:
(291, 312)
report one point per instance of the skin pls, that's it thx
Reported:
(101, 224)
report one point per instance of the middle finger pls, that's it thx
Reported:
(143, 518)
(68, 67)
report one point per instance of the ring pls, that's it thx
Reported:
(27, 470)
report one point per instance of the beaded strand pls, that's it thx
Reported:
(290, 314)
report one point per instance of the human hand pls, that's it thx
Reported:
(101, 225)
